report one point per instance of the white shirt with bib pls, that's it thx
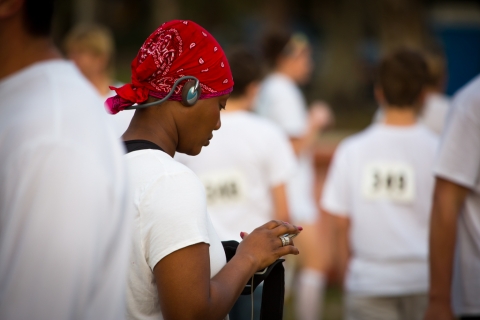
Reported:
(246, 158)
(382, 180)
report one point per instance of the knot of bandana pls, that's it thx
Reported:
(176, 49)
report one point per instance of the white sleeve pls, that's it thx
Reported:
(60, 232)
(281, 162)
(336, 195)
(286, 107)
(459, 156)
(174, 214)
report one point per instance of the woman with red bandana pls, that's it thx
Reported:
(178, 268)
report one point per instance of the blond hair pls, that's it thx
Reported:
(93, 38)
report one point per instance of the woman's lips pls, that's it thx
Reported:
(208, 141)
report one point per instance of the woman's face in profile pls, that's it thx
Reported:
(197, 123)
(303, 65)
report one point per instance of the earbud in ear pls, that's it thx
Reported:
(191, 93)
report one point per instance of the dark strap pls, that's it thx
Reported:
(273, 285)
(273, 294)
(135, 145)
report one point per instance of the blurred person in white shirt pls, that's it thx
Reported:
(280, 99)
(245, 167)
(379, 194)
(92, 48)
(455, 223)
(64, 223)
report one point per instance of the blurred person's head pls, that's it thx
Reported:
(289, 54)
(401, 79)
(25, 27)
(247, 74)
(176, 49)
(91, 47)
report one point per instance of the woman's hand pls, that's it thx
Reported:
(263, 246)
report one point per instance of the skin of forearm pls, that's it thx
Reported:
(344, 248)
(235, 275)
(447, 203)
(340, 227)
(189, 293)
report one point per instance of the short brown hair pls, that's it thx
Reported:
(245, 70)
(273, 43)
(402, 75)
(436, 61)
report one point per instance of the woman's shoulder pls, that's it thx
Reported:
(152, 166)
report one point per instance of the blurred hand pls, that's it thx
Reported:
(264, 246)
(439, 311)
(320, 115)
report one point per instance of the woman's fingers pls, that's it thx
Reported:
(243, 234)
(282, 229)
(283, 251)
(273, 224)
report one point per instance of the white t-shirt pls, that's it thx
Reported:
(280, 100)
(64, 225)
(170, 214)
(382, 180)
(246, 158)
(435, 112)
(459, 162)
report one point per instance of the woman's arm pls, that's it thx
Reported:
(183, 277)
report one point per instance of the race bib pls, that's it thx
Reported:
(224, 187)
(392, 181)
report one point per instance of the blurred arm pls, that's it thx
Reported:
(448, 201)
(280, 203)
(340, 226)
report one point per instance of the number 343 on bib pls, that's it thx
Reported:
(391, 181)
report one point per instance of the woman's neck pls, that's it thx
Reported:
(148, 125)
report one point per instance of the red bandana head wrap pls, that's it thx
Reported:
(176, 49)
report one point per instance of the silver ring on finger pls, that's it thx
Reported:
(287, 240)
(284, 243)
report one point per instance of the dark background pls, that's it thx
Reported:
(348, 36)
